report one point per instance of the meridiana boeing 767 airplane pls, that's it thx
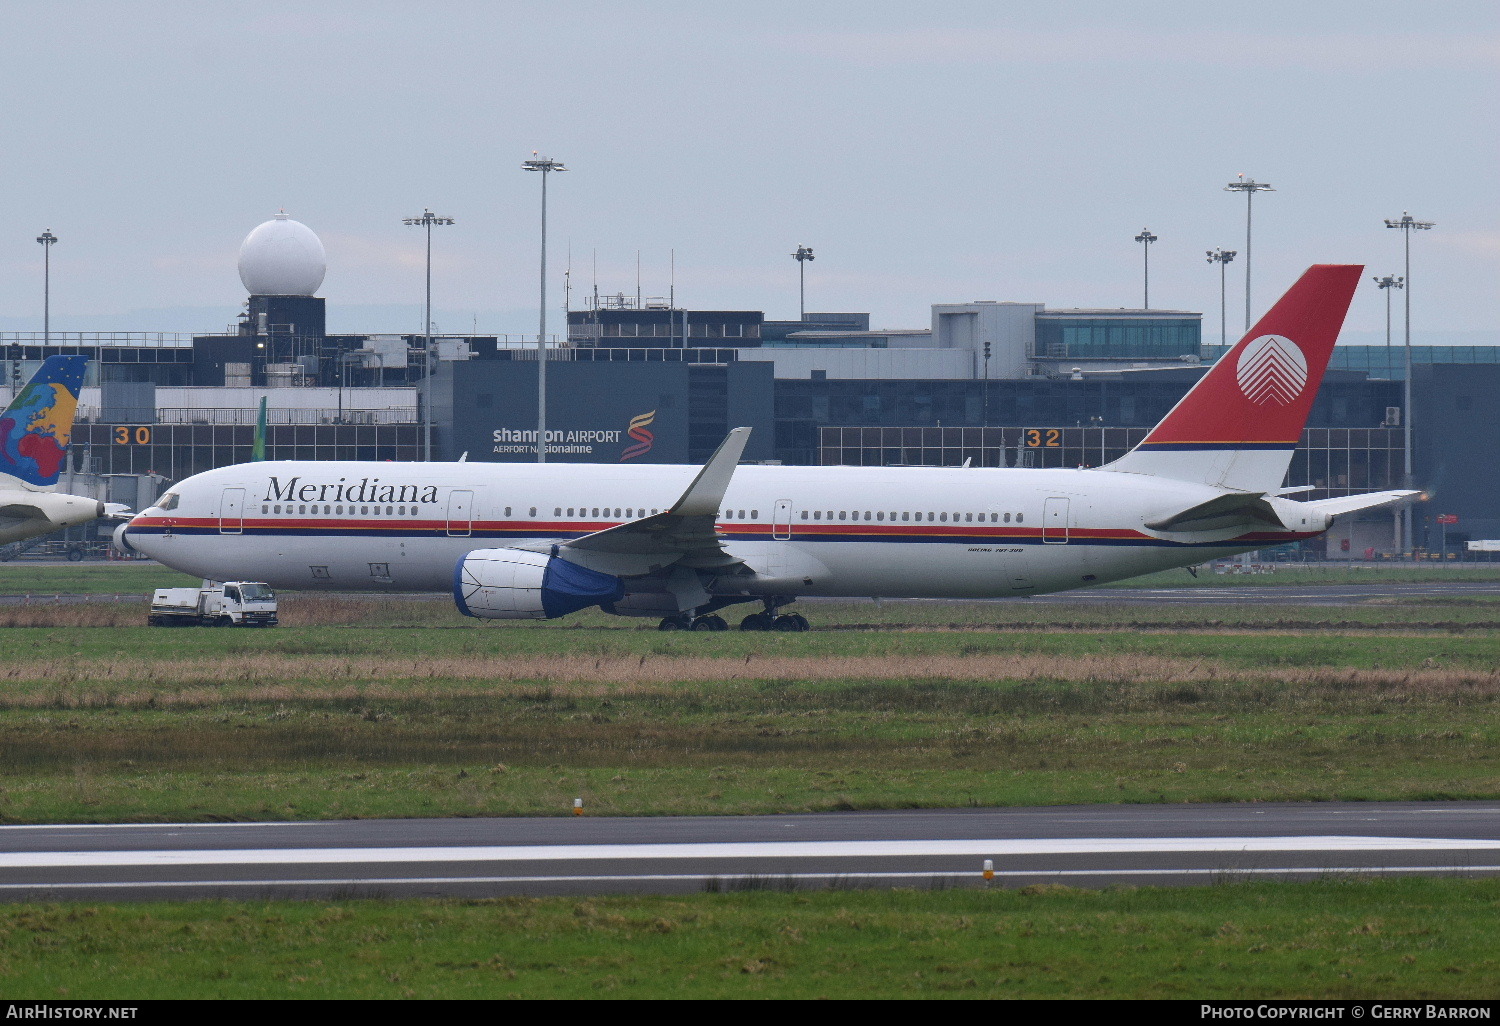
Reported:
(535, 541)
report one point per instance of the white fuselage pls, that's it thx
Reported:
(835, 531)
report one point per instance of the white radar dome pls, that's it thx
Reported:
(282, 258)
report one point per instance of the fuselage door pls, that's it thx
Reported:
(460, 513)
(232, 511)
(781, 520)
(1055, 521)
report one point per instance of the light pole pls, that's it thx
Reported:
(1406, 224)
(802, 256)
(1385, 284)
(48, 240)
(427, 220)
(544, 165)
(1145, 239)
(1249, 186)
(1222, 257)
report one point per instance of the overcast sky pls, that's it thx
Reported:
(928, 152)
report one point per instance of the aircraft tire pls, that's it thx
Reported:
(792, 623)
(671, 623)
(710, 623)
(758, 622)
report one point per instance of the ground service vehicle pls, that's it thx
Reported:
(232, 604)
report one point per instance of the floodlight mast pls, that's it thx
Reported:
(1222, 257)
(1407, 224)
(427, 220)
(48, 240)
(545, 165)
(802, 256)
(1248, 186)
(1385, 284)
(1145, 239)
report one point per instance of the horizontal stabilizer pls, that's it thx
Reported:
(1354, 503)
(22, 511)
(1220, 512)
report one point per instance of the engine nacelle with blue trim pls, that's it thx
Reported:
(514, 584)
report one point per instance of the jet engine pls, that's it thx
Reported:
(514, 584)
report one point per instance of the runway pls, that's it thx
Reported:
(1087, 846)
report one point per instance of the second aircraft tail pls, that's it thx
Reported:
(37, 426)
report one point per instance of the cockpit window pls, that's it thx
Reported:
(167, 501)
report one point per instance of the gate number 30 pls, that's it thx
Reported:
(125, 435)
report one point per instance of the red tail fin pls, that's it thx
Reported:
(1238, 425)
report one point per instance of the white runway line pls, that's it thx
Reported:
(733, 850)
(917, 874)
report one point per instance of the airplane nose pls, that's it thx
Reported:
(121, 543)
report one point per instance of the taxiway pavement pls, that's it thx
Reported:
(1079, 845)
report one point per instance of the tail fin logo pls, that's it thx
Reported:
(36, 427)
(643, 439)
(1271, 370)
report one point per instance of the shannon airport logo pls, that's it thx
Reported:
(571, 442)
(643, 439)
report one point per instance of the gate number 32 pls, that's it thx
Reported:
(1036, 438)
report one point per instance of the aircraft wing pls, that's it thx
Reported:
(683, 535)
(1355, 503)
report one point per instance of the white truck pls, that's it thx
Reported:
(231, 604)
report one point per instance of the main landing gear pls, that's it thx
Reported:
(689, 622)
(788, 622)
(766, 620)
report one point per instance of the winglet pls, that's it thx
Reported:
(705, 495)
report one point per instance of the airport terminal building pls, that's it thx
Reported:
(986, 384)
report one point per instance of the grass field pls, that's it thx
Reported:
(140, 578)
(1321, 573)
(129, 578)
(130, 723)
(1400, 938)
(403, 708)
